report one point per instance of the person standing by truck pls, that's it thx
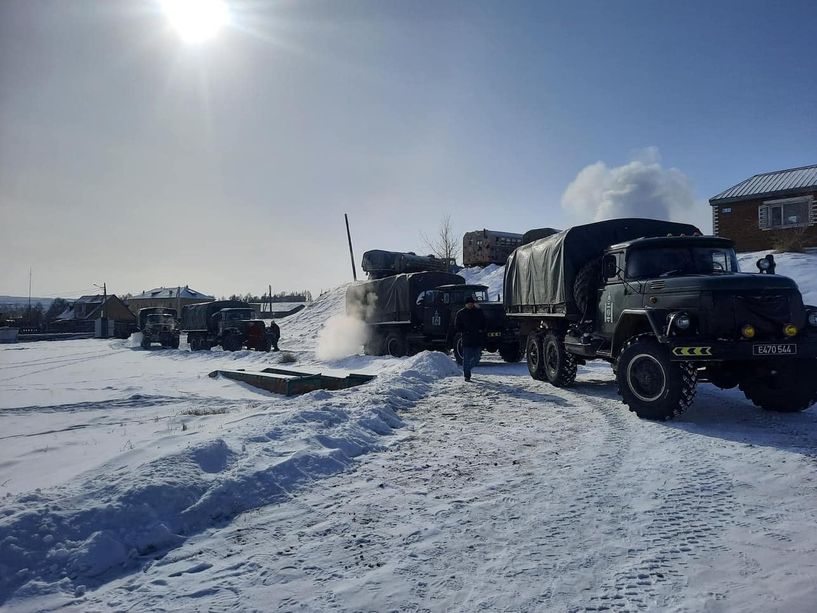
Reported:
(470, 322)
(274, 335)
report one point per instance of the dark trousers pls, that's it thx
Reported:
(470, 358)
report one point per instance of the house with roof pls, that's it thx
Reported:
(80, 316)
(769, 210)
(168, 297)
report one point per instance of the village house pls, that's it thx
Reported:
(774, 210)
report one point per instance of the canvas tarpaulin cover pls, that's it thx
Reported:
(393, 298)
(541, 274)
(197, 316)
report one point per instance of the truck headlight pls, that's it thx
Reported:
(790, 330)
(682, 321)
(748, 331)
(812, 318)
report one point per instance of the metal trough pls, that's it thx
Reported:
(292, 382)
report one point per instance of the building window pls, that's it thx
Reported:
(788, 213)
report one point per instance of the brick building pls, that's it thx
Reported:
(483, 247)
(768, 210)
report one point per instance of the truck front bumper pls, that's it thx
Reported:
(697, 350)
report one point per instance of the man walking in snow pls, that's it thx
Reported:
(470, 322)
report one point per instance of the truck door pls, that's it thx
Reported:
(435, 317)
(612, 295)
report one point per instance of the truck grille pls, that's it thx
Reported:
(768, 313)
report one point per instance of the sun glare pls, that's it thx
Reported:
(196, 20)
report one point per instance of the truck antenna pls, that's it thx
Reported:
(351, 251)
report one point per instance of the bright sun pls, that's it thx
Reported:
(196, 20)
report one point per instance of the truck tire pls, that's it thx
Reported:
(232, 342)
(793, 388)
(456, 348)
(559, 365)
(586, 286)
(145, 342)
(395, 345)
(175, 342)
(650, 384)
(510, 352)
(533, 353)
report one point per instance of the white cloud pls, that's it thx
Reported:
(640, 188)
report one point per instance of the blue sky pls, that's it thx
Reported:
(130, 157)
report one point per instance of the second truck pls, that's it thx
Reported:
(407, 313)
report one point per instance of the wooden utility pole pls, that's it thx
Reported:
(351, 251)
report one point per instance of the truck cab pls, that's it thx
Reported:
(439, 308)
(158, 325)
(237, 327)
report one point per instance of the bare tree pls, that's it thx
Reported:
(444, 244)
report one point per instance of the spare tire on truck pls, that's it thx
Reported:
(586, 287)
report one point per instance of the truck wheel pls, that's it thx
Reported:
(145, 342)
(232, 342)
(457, 348)
(175, 343)
(512, 352)
(791, 388)
(653, 386)
(559, 365)
(536, 365)
(395, 345)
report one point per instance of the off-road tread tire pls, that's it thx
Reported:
(145, 343)
(586, 286)
(231, 342)
(784, 401)
(457, 343)
(395, 345)
(537, 371)
(565, 374)
(685, 377)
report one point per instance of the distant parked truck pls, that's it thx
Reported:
(415, 312)
(379, 263)
(158, 325)
(666, 307)
(484, 247)
(232, 324)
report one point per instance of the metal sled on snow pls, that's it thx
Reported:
(292, 382)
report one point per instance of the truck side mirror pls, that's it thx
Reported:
(766, 265)
(610, 267)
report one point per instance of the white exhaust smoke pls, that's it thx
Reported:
(640, 188)
(344, 335)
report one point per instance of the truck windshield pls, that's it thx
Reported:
(158, 320)
(480, 295)
(238, 315)
(677, 261)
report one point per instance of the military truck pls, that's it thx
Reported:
(232, 324)
(412, 312)
(158, 325)
(666, 307)
(379, 264)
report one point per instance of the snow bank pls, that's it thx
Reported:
(802, 267)
(81, 534)
(491, 275)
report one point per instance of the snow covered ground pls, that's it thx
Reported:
(130, 480)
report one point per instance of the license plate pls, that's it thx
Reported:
(775, 349)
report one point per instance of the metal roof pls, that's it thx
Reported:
(171, 292)
(780, 182)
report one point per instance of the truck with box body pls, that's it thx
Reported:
(232, 324)
(666, 307)
(412, 312)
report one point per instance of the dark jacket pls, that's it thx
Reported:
(471, 323)
(274, 331)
